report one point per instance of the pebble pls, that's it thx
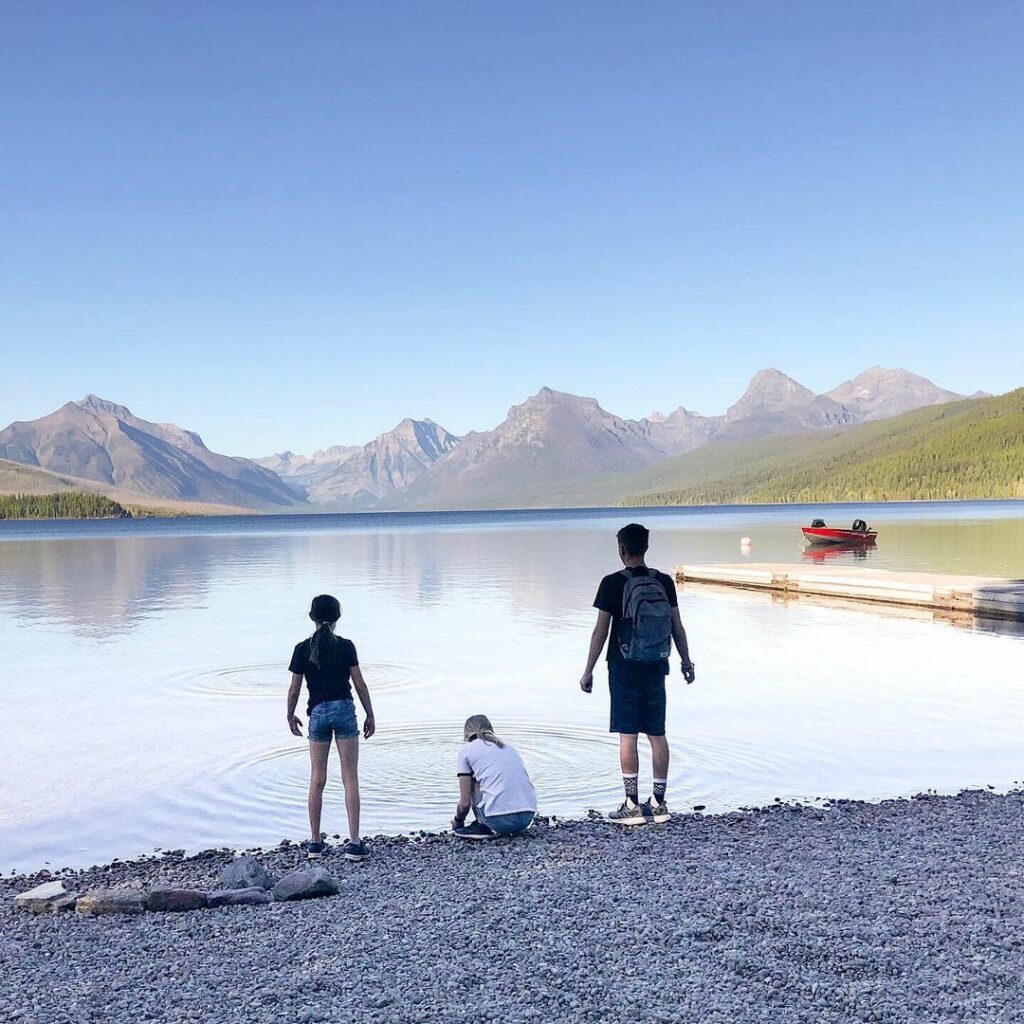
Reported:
(47, 898)
(251, 897)
(103, 902)
(306, 883)
(245, 872)
(890, 912)
(175, 900)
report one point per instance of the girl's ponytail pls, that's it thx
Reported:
(478, 727)
(488, 737)
(322, 645)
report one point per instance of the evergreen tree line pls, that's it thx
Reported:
(63, 505)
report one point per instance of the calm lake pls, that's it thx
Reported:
(144, 669)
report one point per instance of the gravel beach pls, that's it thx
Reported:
(900, 911)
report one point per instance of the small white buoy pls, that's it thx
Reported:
(745, 542)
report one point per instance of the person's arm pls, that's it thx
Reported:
(462, 808)
(597, 642)
(679, 636)
(370, 725)
(293, 701)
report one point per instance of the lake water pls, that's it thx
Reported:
(144, 669)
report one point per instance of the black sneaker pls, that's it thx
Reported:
(475, 831)
(656, 812)
(356, 851)
(314, 851)
(629, 812)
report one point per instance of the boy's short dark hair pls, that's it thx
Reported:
(634, 538)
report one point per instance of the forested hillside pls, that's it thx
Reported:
(970, 449)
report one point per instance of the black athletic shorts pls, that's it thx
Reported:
(638, 697)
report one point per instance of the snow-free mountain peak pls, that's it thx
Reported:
(103, 441)
(544, 441)
(880, 392)
(776, 404)
(390, 462)
(771, 390)
(103, 407)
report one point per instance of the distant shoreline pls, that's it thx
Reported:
(131, 511)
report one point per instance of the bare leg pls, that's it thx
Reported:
(659, 754)
(628, 757)
(348, 751)
(318, 756)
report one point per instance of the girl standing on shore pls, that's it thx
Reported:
(330, 667)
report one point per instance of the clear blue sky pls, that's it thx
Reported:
(289, 225)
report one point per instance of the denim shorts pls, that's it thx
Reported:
(506, 824)
(332, 718)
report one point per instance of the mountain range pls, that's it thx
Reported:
(550, 446)
(104, 443)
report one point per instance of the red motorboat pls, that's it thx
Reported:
(859, 533)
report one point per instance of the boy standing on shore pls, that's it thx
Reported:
(638, 615)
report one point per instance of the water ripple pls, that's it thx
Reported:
(408, 776)
(268, 680)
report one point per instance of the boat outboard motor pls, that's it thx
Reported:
(817, 524)
(859, 526)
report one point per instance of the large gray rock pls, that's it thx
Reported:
(102, 902)
(239, 897)
(305, 883)
(175, 900)
(246, 873)
(47, 898)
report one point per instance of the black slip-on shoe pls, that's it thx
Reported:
(356, 851)
(475, 831)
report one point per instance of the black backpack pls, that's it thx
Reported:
(645, 632)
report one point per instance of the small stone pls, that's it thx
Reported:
(246, 873)
(252, 897)
(174, 901)
(306, 883)
(47, 898)
(102, 902)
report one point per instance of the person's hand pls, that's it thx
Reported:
(689, 671)
(369, 726)
(295, 725)
(587, 682)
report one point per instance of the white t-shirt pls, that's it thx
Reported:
(505, 788)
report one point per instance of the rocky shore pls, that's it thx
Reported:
(900, 911)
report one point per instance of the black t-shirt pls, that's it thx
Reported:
(331, 681)
(609, 599)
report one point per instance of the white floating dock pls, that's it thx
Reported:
(988, 596)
